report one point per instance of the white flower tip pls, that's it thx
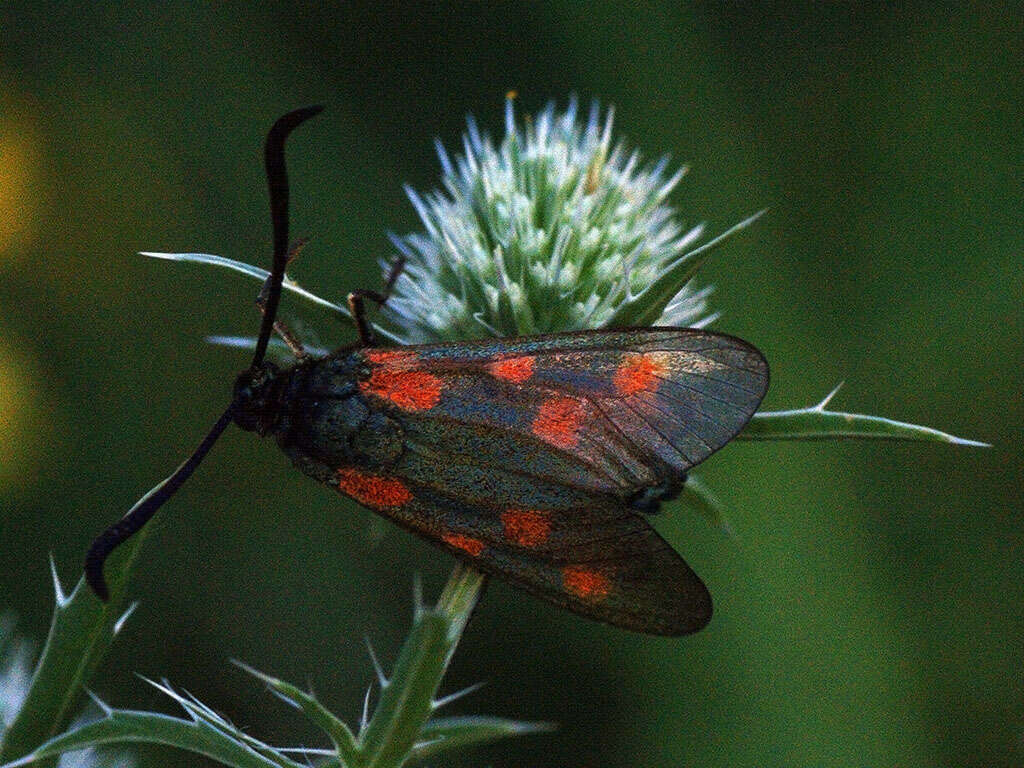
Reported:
(364, 719)
(751, 219)
(26, 760)
(418, 606)
(163, 686)
(250, 670)
(510, 113)
(481, 227)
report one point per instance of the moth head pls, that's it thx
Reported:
(257, 405)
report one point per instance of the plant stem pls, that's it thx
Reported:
(407, 700)
(459, 598)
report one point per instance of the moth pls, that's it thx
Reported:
(536, 459)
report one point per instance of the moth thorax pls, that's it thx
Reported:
(340, 430)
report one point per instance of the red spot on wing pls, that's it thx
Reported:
(526, 528)
(393, 377)
(637, 374)
(373, 490)
(514, 369)
(558, 421)
(377, 356)
(466, 543)
(585, 583)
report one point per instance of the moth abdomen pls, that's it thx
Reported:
(648, 500)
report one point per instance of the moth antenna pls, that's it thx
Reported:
(146, 507)
(277, 183)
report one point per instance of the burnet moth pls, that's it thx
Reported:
(535, 459)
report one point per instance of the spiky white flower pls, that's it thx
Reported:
(556, 228)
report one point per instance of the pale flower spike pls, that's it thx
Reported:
(551, 229)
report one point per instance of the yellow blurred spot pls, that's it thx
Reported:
(510, 95)
(19, 164)
(20, 415)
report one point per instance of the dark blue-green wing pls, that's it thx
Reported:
(523, 456)
(606, 410)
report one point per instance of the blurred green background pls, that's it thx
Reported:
(869, 612)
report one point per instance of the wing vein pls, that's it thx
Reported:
(690, 407)
(650, 403)
(690, 462)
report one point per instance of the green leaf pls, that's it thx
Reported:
(16, 656)
(400, 727)
(339, 733)
(126, 726)
(250, 270)
(259, 274)
(647, 306)
(81, 630)
(817, 423)
(458, 599)
(445, 734)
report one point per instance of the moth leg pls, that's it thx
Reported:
(356, 305)
(282, 330)
(393, 275)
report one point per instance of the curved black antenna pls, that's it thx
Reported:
(277, 181)
(146, 507)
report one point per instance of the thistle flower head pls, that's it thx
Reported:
(555, 228)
